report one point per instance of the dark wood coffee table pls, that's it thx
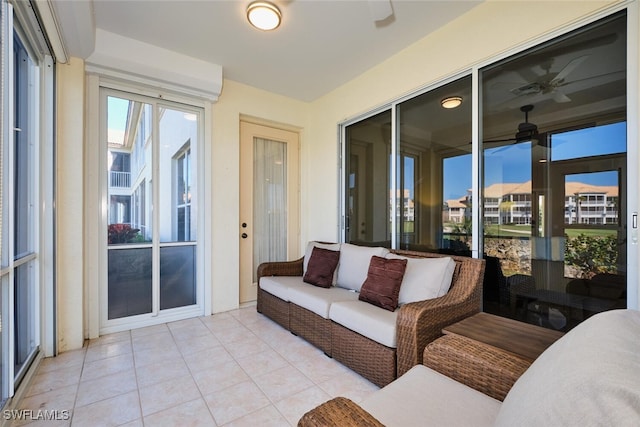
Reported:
(522, 339)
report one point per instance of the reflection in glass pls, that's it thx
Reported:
(433, 164)
(177, 276)
(367, 192)
(554, 149)
(129, 276)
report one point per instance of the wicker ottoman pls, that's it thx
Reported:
(483, 367)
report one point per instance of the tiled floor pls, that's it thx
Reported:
(229, 369)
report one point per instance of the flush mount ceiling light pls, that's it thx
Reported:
(451, 102)
(264, 15)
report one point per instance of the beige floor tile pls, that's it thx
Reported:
(236, 401)
(103, 351)
(149, 330)
(249, 369)
(116, 411)
(189, 414)
(320, 368)
(59, 400)
(110, 338)
(150, 356)
(103, 367)
(223, 376)
(161, 371)
(261, 363)
(295, 406)
(229, 336)
(167, 394)
(219, 322)
(106, 387)
(157, 341)
(244, 348)
(248, 315)
(282, 383)
(196, 344)
(53, 380)
(64, 360)
(211, 358)
(349, 385)
(265, 417)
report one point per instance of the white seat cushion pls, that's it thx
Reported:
(425, 278)
(424, 397)
(366, 319)
(279, 286)
(354, 264)
(318, 300)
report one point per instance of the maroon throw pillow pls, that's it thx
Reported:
(382, 285)
(322, 264)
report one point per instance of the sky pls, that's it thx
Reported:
(512, 163)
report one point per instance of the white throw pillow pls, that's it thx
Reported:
(354, 264)
(425, 278)
(307, 255)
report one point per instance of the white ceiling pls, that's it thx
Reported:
(320, 45)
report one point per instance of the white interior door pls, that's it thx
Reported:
(269, 200)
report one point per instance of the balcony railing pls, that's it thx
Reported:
(120, 179)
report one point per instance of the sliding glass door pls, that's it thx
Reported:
(152, 149)
(539, 191)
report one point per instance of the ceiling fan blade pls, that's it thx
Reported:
(380, 9)
(568, 69)
(560, 97)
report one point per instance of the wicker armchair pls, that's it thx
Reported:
(418, 323)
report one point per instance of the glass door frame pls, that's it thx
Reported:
(157, 314)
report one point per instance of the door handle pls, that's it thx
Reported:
(244, 235)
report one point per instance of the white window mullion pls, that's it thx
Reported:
(155, 212)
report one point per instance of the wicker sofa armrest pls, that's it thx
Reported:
(341, 412)
(280, 268)
(421, 322)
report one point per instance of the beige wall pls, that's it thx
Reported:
(236, 100)
(488, 30)
(69, 204)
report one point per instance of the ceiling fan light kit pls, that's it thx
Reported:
(451, 102)
(526, 130)
(264, 15)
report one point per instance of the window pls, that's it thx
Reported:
(183, 195)
(23, 192)
(550, 170)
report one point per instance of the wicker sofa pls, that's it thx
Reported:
(589, 377)
(378, 344)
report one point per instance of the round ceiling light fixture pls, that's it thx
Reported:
(264, 15)
(451, 102)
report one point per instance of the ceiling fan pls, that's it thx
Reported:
(549, 85)
(527, 131)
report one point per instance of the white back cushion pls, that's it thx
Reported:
(589, 377)
(354, 264)
(425, 278)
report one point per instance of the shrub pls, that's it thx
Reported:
(122, 233)
(592, 254)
